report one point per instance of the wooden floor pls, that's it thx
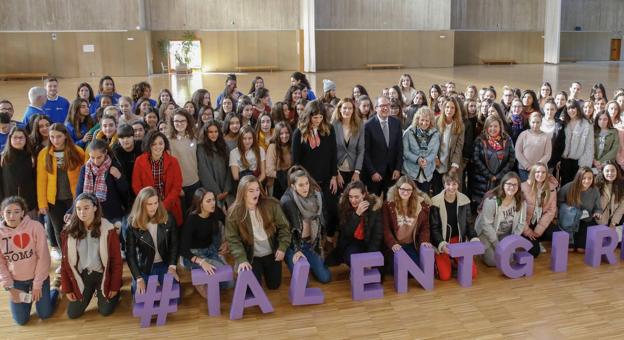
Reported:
(521, 76)
(582, 303)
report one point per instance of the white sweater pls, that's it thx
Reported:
(579, 143)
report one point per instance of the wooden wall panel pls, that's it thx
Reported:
(341, 50)
(498, 15)
(63, 57)
(55, 15)
(231, 15)
(592, 15)
(587, 46)
(386, 14)
(224, 51)
(523, 47)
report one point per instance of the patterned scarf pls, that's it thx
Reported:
(422, 138)
(314, 140)
(95, 178)
(158, 172)
(496, 143)
(517, 121)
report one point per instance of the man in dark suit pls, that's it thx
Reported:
(383, 142)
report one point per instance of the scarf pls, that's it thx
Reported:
(314, 140)
(422, 138)
(496, 143)
(517, 121)
(95, 178)
(310, 208)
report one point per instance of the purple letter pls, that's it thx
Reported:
(157, 300)
(298, 294)
(523, 261)
(559, 255)
(464, 253)
(213, 296)
(241, 300)
(601, 241)
(403, 265)
(366, 283)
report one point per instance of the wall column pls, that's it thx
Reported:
(552, 32)
(308, 23)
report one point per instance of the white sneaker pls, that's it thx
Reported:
(55, 254)
(58, 270)
(542, 248)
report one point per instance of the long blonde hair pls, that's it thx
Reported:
(458, 122)
(355, 122)
(139, 218)
(534, 189)
(238, 211)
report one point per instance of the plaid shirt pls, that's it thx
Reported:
(158, 172)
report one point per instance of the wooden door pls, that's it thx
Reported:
(616, 45)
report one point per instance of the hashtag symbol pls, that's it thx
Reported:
(157, 301)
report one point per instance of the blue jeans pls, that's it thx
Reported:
(524, 175)
(210, 256)
(318, 268)
(159, 269)
(411, 251)
(45, 306)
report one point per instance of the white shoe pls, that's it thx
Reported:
(542, 248)
(55, 254)
(58, 270)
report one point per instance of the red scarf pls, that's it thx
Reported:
(95, 178)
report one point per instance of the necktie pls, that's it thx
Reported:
(386, 132)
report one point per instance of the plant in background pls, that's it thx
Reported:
(183, 55)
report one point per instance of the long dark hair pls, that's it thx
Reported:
(9, 152)
(37, 140)
(499, 191)
(219, 147)
(74, 117)
(281, 148)
(102, 83)
(252, 90)
(88, 86)
(617, 187)
(344, 206)
(196, 209)
(300, 77)
(573, 198)
(76, 228)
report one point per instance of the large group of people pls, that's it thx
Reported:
(253, 181)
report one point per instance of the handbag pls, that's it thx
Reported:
(569, 218)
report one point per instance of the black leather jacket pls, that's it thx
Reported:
(140, 249)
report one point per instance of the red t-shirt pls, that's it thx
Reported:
(358, 234)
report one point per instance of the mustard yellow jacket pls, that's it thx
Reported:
(46, 182)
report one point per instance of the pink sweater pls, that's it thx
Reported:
(25, 253)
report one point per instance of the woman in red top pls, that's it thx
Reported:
(92, 259)
(157, 168)
(406, 218)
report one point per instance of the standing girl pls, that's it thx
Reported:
(158, 169)
(58, 170)
(248, 158)
(533, 146)
(451, 129)
(17, 170)
(212, 162)
(606, 143)
(349, 142)
(278, 159)
(184, 149)
(579, 142)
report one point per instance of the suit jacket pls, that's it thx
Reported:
(378, 157)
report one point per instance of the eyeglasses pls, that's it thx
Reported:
(406, 189)
(384, 105)
(511, 185)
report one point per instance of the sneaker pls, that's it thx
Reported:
(58, 270)
(56, 283)
(55, 254)
(542, 248)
